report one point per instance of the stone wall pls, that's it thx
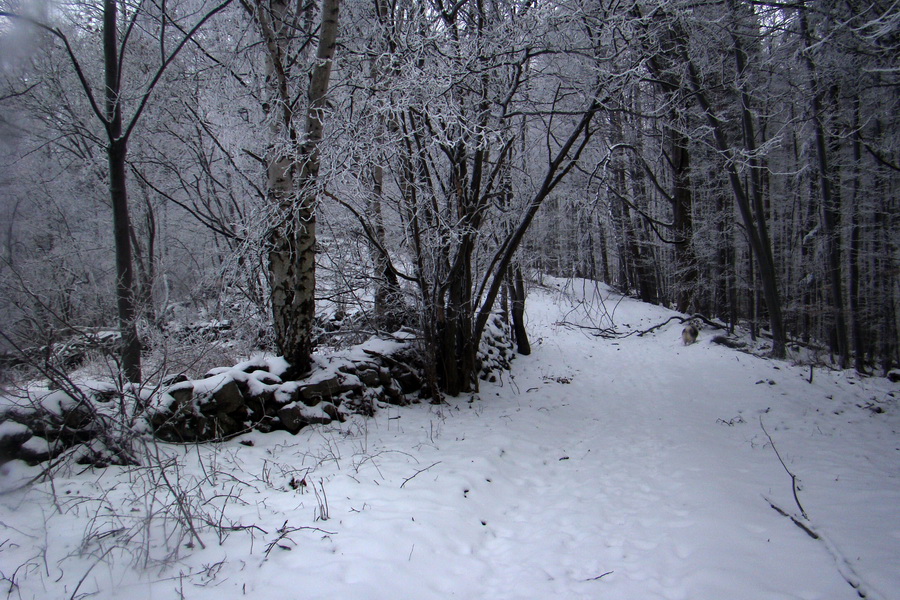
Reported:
(98, 422)
(226, 402)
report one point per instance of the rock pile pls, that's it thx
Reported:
(496, 351)
(251, 395)
(97, 421)
(41, 425)
(226, 402)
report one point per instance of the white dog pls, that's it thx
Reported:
(689, 335)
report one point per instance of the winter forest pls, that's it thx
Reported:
(230, 216)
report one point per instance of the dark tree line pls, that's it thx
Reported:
(762, 172)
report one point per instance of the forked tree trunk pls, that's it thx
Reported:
(292, 181)
(109, 113)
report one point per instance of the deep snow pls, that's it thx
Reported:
(629, 468)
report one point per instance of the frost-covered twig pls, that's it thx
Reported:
(179, 497)
(322, 500)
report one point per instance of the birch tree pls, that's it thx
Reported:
(292, 162)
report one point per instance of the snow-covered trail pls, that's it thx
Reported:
(633, 468)
(647, 486)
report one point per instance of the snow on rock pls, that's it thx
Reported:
(251, 395)
(9, 429)
(12, 436)
(58, 402)
(36, 449)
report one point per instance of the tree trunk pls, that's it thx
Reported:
(830, 207)
(292, 265)
(459, 346)
(570, 151)
(604, 255)
(388, 299)
(117, 152)
(754, 224)
(518, 311)
(855, 251)
(125, 301)
(682, 220)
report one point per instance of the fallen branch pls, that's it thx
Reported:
(612, 333)
(843, 566)
(794, 520)
(693, 317)
(604, 332)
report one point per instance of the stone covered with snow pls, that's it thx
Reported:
(251, 395)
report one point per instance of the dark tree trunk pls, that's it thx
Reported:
(855, 251)
(604, 254)
(683, 222)
(456, 361)
(751, 213)
(125, 300)
(117, 152)
(518, 311)
(830, 207)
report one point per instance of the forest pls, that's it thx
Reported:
(309, 174)
(491, 299)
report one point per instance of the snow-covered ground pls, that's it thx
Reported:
(630, 468)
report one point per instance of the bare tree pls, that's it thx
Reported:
(109, 110)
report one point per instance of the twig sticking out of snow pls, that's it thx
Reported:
(788, 471)
(843, 565)
(417, 472)
(322, 500)
(284, 531)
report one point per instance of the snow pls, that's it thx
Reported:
(633, 467)
(58, 402)
(37, 446)
(308, 412)
(13, 429)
